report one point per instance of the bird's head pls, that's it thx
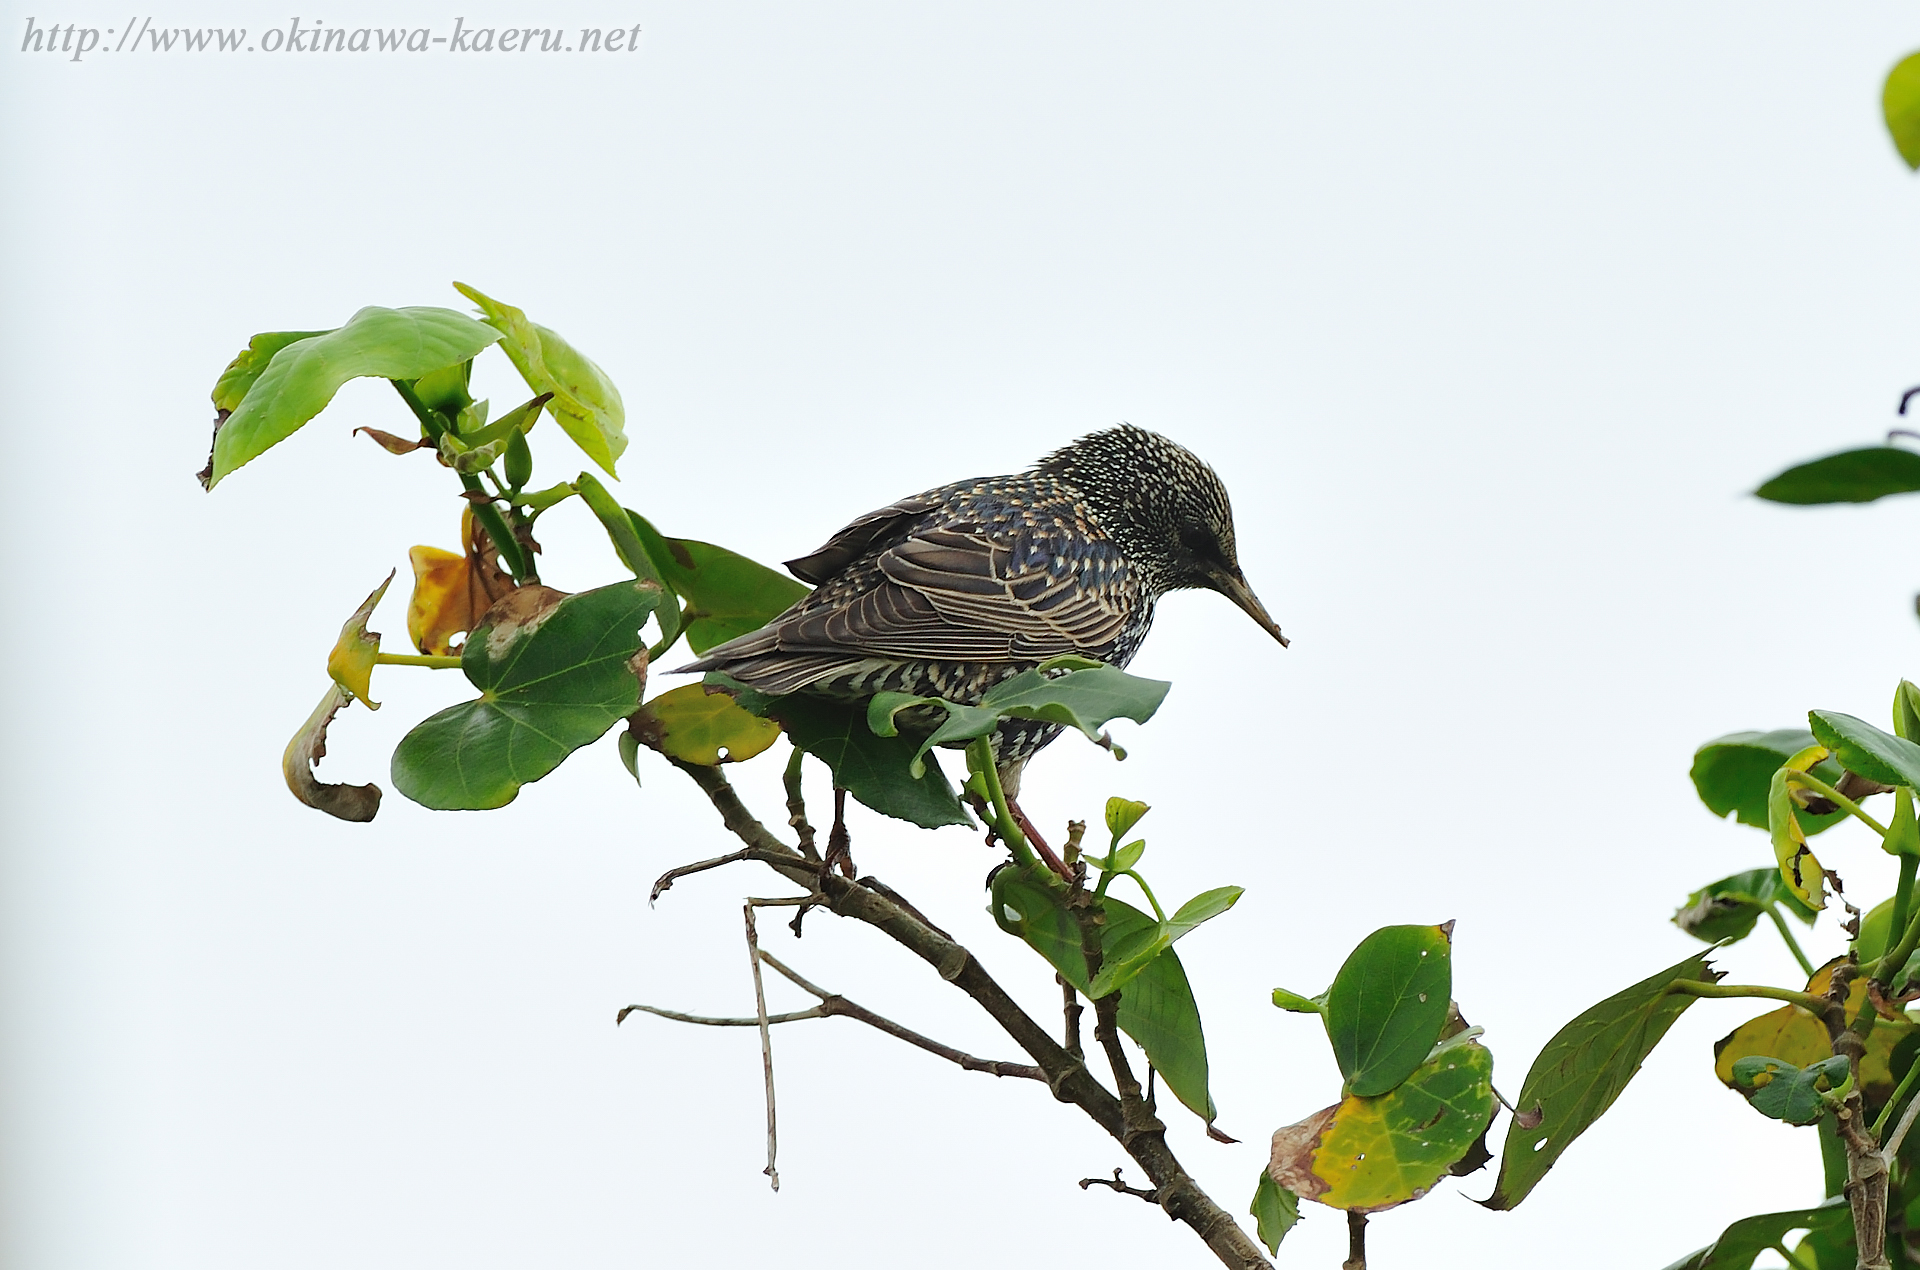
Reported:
(1166, 509)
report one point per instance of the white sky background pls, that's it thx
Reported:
(1488, 315)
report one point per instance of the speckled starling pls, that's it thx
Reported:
(949, 592)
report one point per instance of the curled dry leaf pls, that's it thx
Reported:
(451, 592)
(309, 746)
(393, 444)
(351, 661)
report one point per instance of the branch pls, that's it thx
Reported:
(834, 1004)
(766, 1043)
(1068, 1077)
(707, 1020)
(1152, 1197)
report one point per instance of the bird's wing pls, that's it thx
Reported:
(858, 538)
(951, 594)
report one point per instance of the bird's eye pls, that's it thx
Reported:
(1200, 544)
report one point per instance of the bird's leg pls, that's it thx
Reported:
(839, 843)
(1038, 843)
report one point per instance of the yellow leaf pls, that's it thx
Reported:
(1366, 1154)
(1795, 1036)
(450, 592)
(351, 661)
(695, 726)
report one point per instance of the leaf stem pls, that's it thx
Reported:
(1810, 782)
(1897, 956)
(1145, 890)
(1820, 1007)
(1793, 945)
(1907, 1083)
(486, 513)
(980, 760)
(1903, 894)
(410, 659)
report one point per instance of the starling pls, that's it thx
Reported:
(949, 592)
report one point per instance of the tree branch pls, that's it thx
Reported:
(1068, 1077)
(1116, 1184)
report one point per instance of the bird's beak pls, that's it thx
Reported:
(1229, 583)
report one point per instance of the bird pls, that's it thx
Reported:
(951, 591)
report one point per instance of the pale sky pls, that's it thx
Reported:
(1488, 315)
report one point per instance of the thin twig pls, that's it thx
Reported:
(666, 880)
(766, 1043)
(1152, 1197)
(833, 1004)
(707, 1020)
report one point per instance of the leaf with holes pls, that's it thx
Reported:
(1388, 1003)
(1371, 1153)
(554, 674)
(1582, 1070)
(707, 728)
(303, 375)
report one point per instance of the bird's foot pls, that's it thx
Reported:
(839, 842)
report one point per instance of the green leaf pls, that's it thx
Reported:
(1088, 697)
(1781, 1091)
(1854, 476)
(1741, 1244)
(1388, 1003)
(1122, 960)
(729, 595)
(963, 723)
(553, 676)
(1900, 104)
(1128, 856)
(1582, 1070)
(240, 374)
(1728, 909)
(304, 375)
(445, 389)
(1297, 1004)
(696, 726)
(1371, 1153)
(1275, 1211)
(874, 769)
(1122, 815)
(1157, 1008)
(1732, 774)
(585, 403)
(1860, 747)
(619, 526)
(1903, 831)
(1906, 711)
